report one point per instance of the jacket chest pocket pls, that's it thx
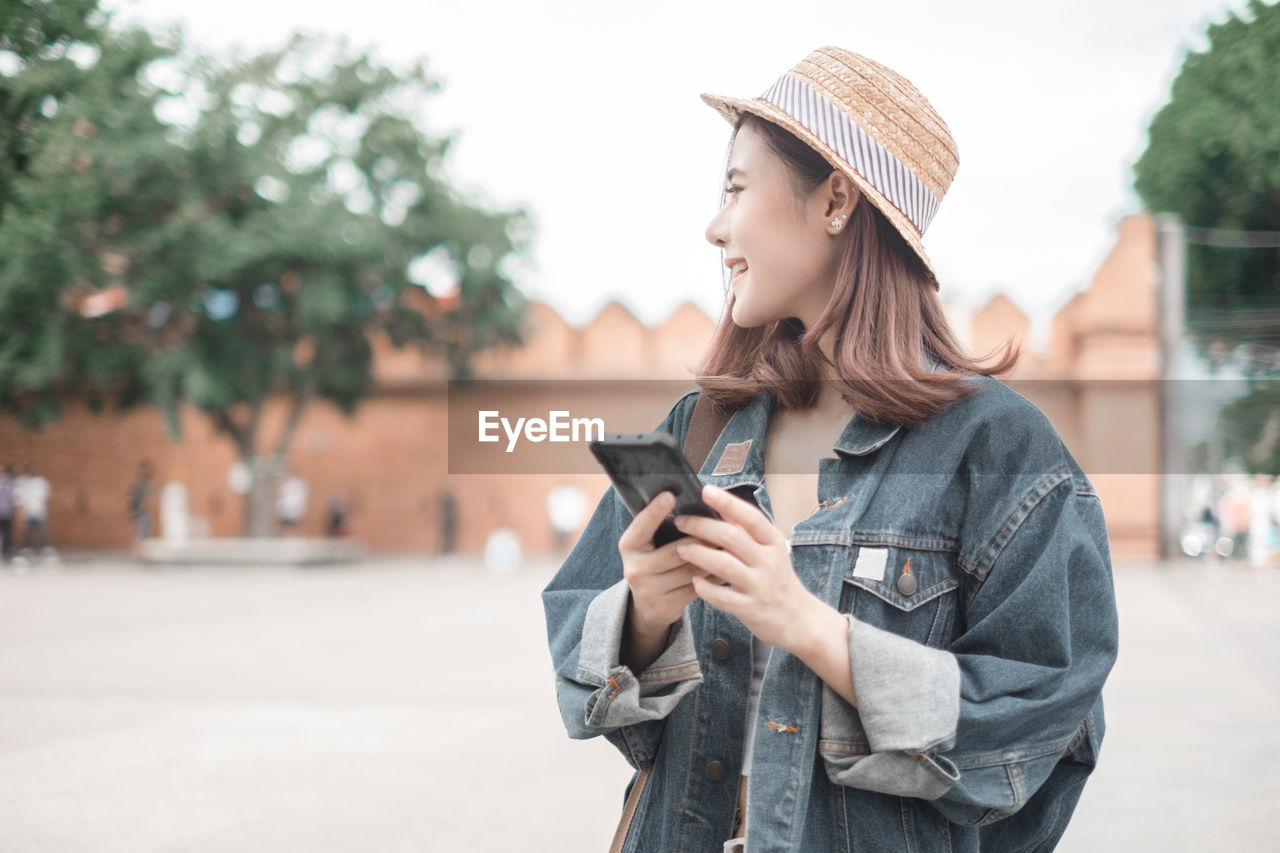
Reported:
(908, 591)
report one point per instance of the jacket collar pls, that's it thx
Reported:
(862, 435)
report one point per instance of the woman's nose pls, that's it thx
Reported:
(717, 232)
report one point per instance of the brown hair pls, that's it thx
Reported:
(884, 315)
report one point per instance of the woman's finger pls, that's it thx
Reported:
(703, 573)
(665, 580)
(722, 564)
(666, 555)
(639, 533)
(684, 590)
(714, 531)
(664, 560)
(724, 598)
(743, 513)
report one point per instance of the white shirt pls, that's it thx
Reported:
(33, 496)
(291, 503)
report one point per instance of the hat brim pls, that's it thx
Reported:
(732, 109)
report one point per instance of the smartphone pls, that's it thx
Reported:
(642, 465)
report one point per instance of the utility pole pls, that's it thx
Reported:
(1171, 323)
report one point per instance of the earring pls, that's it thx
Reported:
(837, 223)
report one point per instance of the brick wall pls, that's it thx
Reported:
(391, 460)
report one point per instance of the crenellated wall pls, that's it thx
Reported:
(391, 458)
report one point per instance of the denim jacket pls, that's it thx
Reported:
(970, 555)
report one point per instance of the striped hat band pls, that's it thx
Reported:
(895, 181)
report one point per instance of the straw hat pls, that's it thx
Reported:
(869, 122)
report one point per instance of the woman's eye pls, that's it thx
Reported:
(732, 189)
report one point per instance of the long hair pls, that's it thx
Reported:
(884, 317)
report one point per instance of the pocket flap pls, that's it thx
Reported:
(911, 577)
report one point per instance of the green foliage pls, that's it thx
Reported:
(52, 87)
(178, 229)
(36, 36)
(1250, 428)
(1213, 157)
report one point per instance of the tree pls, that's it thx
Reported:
(221, 232)
(53, 54)
(36, 38)
(1213, 157)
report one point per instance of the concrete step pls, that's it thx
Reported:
(282, 551)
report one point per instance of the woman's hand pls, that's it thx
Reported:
(661, 584)
(743, 549)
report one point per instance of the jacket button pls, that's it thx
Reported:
(714, 770)
(907, 584)
(720, 648)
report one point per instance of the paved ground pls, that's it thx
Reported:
(408, 706)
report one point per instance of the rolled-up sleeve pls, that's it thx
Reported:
(979, 726)
(621, 697)
(586, 606)
(908, 708)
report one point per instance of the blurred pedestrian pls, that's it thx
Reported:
(1260, 522)
(8, 504)
(291, 503)
(139, 505)
(1275, 515)
(1234, 512)
(448, 522)
(567, 506)
(336, 520)
(33, 493)
(175, 514)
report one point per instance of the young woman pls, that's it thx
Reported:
(896, 636)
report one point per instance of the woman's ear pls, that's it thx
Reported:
(837, 198)
(842, 196)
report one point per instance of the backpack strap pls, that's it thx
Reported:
(628, 812)
(705, 426)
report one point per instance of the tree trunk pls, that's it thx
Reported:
(259, 501)
(266, 471)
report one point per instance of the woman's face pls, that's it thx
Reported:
(780, 248)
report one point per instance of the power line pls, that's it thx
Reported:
(1232, 239)
(1261, 321)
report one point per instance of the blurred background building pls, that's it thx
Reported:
(390, 462)
(269, 255)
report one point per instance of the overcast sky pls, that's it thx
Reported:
(588, 114)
